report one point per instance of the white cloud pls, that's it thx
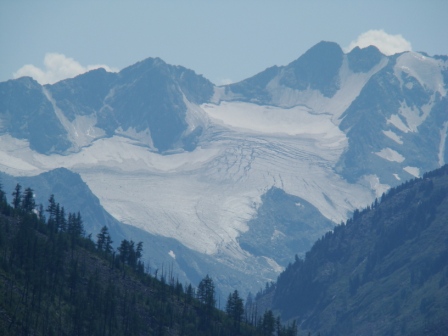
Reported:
(386, 43)
(57, 67)
(225, 81)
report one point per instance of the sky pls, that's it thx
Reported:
(225, 41)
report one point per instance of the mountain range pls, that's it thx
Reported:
(230, 180)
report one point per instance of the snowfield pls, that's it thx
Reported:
(204, 198)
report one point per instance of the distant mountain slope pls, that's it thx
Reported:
(397, 126)
(384, 272)
(26, 113)
(147, 100)
(284, 226)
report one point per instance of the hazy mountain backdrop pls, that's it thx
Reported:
(234, 180)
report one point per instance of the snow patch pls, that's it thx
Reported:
(412, 115)
(442, 144)
(415, 116)
(276, 267)
(397, 177)
(412, 170)
(82, 131)
(398, 123)
(426, 70)
(11, 160)
(144, 137)
(171, 254)
(373, 182)
(195, 117)
(390, 155)
(393, 136)
(277, 235)
(219, 94)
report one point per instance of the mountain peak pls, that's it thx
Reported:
(26, 81)
(363, 60)
(327, 46)
(317, 69)
(146, 64)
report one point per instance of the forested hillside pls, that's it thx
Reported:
(56, 281)
(383, 272)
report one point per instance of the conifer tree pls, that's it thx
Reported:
(108, 244)
(28, 202)
(206, 292)
(235, 308)
(2, 194)
(51, 209)
(57, 217)
(62, 221)
(78, 226)
(103, 238)
(41, 213)
(17, 196)
(123, 249)
(268, 323)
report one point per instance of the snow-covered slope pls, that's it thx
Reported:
(205, 197)
(166, 152)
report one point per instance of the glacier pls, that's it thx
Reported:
(204, 198)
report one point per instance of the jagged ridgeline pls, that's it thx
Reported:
(383, 272)
(56, 281)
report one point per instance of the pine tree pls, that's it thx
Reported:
(62, 221)
(206, 292)
(17, 196)
(102, 238)
(235, 308)
(108, 244)
(57, 218)
(206, 296)
(139, 251)
(2, 194)
(189, 293)
(28, 202)
(78, 226)
(123, 249)
(268, 323)
(3, 202)
(51, 209)
(41, 213)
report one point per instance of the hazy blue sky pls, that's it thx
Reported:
(222, 40)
